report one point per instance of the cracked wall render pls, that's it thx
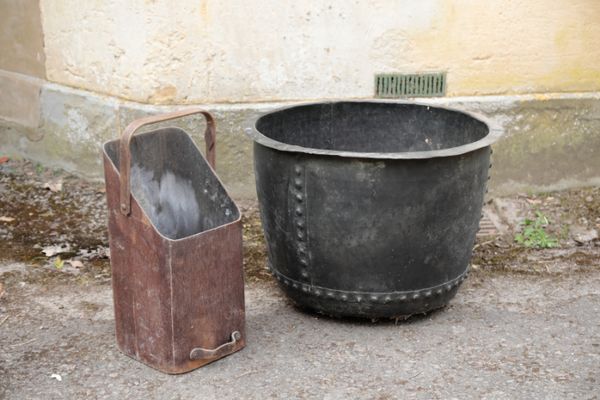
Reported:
(198, 51)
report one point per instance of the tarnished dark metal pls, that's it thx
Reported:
(176, 249)
(370, 209)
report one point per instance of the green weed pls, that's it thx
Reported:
(534, 234)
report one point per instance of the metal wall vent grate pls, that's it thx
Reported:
(486, 227)
(410, 85)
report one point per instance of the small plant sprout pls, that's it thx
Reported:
(534, 234)
(59, 263)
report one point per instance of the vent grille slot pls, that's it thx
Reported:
(410, 85)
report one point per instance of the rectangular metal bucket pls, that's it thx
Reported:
(176, 249)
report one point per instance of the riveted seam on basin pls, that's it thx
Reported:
(300, 219)
(371, 297)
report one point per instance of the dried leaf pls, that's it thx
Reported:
(534, 201)
(50, 251)
(6, 219)
(4, 160)
(75, 263)
(100, 252)
(54, 186)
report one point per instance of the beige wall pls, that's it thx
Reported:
(21, 37)
(198, 51)
(195, 51)
(256, 52)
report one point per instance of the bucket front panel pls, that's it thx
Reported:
(140, 275)
(208, 292)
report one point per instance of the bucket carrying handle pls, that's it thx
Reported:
(200, 353)
(210, 138)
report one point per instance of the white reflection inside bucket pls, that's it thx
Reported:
(169, 201)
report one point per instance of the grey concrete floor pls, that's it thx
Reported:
(505, 336)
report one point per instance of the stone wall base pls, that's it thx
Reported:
(552, 141)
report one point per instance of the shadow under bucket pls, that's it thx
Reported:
(176, 249)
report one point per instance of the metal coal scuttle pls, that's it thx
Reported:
(176, 248)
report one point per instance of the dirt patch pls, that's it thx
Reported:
(502, 256)
(568, 212)
(36, 215)
(255, 248)
(74, 215)
(42, 207)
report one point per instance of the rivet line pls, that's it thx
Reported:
(372, 297)
(300, 222)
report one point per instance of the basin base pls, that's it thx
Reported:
(342, 303)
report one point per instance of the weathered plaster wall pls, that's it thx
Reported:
(21, 37)
(110, 61)
(551, 142)
(195, 51)
(19, 99)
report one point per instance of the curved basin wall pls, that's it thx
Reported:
(370, 237)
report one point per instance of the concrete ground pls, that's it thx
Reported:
(525, 325)
(505, 336)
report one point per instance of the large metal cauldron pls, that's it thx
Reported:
(370, 209)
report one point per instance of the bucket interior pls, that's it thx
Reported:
(371, 127)
(174, 184)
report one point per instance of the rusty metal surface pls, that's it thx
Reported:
(172, 296)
